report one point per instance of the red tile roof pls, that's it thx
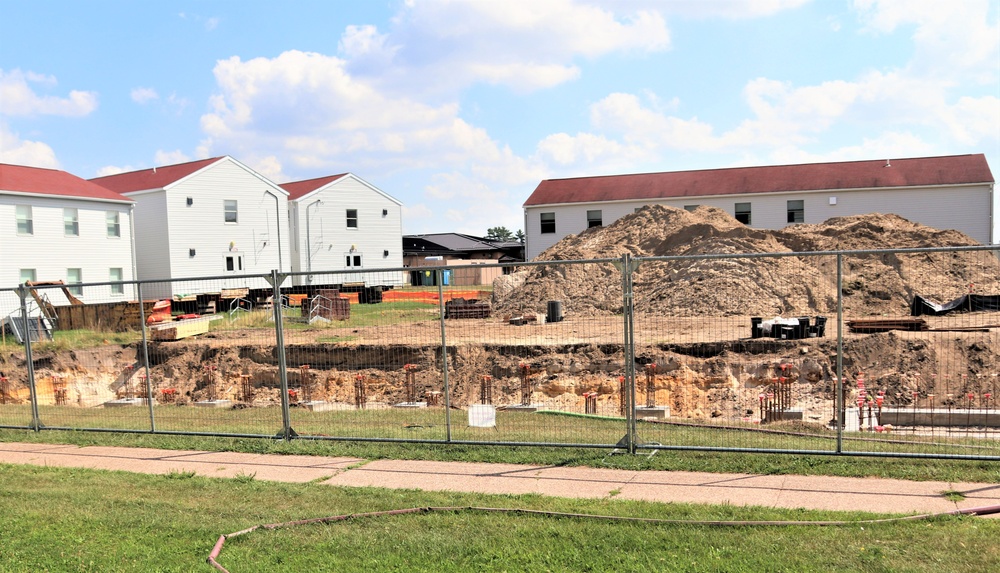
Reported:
(298, 189)
(22, 179)
(927, 171)
(155, 178)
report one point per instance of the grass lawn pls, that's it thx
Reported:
(57, 519)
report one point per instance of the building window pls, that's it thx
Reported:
(743, 213)
(28, 276)
(234, 263)
(114, 223)
(594, 218)
(74, 276)
(691, 207)
(231, 210)
(353, 261)
(352, 218)
(71, 222)
(25, 226)
(548, 221)
(796, 211)
(115, 276)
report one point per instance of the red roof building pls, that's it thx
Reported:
(944, 192)
(55, 226)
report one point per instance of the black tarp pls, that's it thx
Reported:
(964, 303)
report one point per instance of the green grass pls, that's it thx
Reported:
(362, 315)
(57, 519)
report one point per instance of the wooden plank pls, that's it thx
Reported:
(179, 329)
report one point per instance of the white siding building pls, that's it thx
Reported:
(56, 226)
(342, 222)
(951, 192)
(209, 218)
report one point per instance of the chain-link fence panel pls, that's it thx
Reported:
(920, 352)
(736, 351)
(15, 391)
(536, 352)
(363, 353)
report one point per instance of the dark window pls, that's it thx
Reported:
(743, 213)
(796, 211)
(594, 218)
(353, 261)
(352, 218)
(548, 221)
(234, 263)
(229, 207)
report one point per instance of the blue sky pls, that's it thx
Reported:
(459, 108)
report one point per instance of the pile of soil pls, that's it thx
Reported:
(874, 284)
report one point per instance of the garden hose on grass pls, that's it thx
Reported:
(986, 510)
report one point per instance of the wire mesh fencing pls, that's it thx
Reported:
(851, 352)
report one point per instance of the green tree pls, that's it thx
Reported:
(519, 236)
(499, 234)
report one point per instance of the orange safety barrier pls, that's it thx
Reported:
(431, 297)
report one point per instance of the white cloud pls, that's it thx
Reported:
(521, 44)
(17, 151)
(951, 40)
(19, 99)
(115, 170)
(170, 157)
(143, 95)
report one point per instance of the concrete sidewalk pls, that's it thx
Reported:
(787, 491)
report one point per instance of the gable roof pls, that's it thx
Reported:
(53, 183)
(448, 242)
(927, 171)
(154, 178)
(299, 189)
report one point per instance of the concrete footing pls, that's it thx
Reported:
(523, 408)
(214, 404)
(411, 405)
(963, 417)
(124, 402)
(657, 412)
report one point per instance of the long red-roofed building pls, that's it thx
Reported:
(948, 192)
(55, 226)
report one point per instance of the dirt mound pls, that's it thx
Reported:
(766, 286)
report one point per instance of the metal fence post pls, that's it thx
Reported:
(22, 293)
(838, 401)
(145, 358)
(629, 350)
(286, 415)
(444, 356)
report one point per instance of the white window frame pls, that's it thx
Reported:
(350, 219)
(233, 263)
(544, 221)
(27, 275)
(595, 218)
(25, 223)
(353, 260)
(116, 275)
(71, 222)
(112, 220)
(71, 281)
(738, 209)
(796, 209)
(230, 210)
